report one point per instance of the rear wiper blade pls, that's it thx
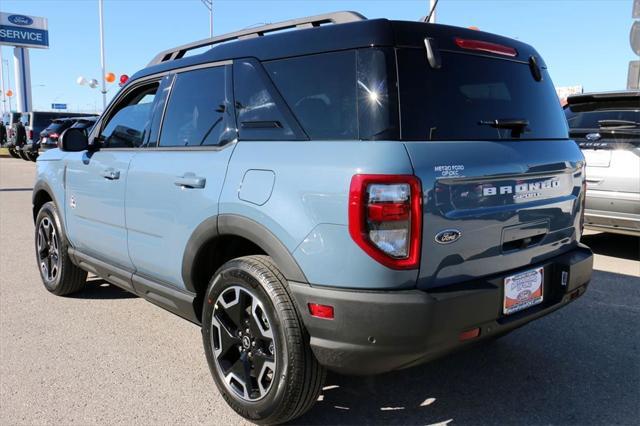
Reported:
(618, 123)
(516, 125)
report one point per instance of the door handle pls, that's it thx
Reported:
(111, 174)
(191, 181)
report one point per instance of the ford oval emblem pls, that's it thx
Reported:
(20, 20)
(448, 236)
(593, 136)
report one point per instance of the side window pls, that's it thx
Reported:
(129, 122)
(199, 112)
(158, 109)
(321, 92)
(261, 113)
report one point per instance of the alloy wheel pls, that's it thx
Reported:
(48, 250)
(243, 343)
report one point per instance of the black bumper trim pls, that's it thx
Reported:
(378, 331)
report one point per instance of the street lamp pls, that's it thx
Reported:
(102, 63)
(209, 5)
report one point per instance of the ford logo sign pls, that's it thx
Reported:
(20, 20)
(448, 236)
(593, 136)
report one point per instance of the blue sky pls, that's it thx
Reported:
(583, 41)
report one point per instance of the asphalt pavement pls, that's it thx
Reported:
(107, 357)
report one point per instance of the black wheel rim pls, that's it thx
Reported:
(48, 250)
(243, 343)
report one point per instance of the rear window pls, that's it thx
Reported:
(56, 126)
(585, 117)
(460, 100)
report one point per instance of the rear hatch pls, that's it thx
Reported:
(486, 136)
(607, 129)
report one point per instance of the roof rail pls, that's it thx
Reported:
(308, 22)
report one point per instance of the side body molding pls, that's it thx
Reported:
(230, 224)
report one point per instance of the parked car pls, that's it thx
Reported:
(49, 136)
(10, 118)
(35, 123)
(363, 197)
(607, 128)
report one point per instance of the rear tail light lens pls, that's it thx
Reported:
(53, 136)
(31, 134)
(485, 46)
(583, 200)
(385, 218)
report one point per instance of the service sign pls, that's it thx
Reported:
(23, 31)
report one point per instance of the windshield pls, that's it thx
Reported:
(474, 97)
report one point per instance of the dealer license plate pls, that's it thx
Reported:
(523, 290)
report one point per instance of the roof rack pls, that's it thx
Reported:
(308, 22)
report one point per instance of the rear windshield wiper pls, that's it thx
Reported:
(516, 125)
(618, 123)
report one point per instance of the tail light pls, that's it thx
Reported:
(30, 134)
(53, 136)
(583, 200)
(385, 218)
(485, 46)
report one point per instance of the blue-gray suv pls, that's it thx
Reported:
(350, 194)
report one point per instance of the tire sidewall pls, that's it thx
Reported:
(49, 211)
(236, 273)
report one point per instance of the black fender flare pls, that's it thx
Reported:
(231, 224)
(39, 186)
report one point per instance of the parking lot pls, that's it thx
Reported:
(107, 357)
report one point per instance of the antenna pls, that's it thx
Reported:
(432, 11)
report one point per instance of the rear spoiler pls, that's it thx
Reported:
(604, 96)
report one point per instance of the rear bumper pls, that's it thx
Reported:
(376, 332)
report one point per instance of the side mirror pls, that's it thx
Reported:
(74, 140)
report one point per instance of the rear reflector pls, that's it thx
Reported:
(486, 46)
(469, 334)
(321, 311)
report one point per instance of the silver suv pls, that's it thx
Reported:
(607, 128)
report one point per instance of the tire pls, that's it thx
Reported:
(23, 154)
(13, 153)
(291, 382)
(33, 156)
(59, 275)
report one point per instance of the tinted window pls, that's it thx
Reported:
(260, 113)
(377, 94)
(462, 98)
(198, 113)
(601, 118)
(128, 126)
(321, 92)
(57, 126)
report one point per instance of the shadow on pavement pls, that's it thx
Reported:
(577, 366)
(614, 245)
(97, 288)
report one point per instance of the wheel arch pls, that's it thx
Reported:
(42, 193)
(224, 237)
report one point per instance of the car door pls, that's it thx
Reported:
(173, 185)
(96, 181)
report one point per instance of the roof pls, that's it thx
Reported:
(325, 38)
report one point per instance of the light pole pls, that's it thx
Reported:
(2, 88)
(6, 62)
(102, 62)
(209, 5)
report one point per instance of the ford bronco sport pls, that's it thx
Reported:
(355, 195)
